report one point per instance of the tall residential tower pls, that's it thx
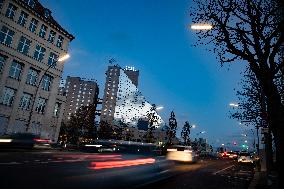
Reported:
(122, 101)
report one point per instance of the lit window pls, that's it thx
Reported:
(10, 13)
(24, 45)
(46, 82)
(2, 62)
(32, 76)
(59, 41)
(23, 18)
(40, 106)
(52, 59)
(6, 35)
(42, 31)
(7, 96)
(25, 101)
(51, 36)
(33, 25)
(39, 53)
(56, 109)
(15, 70)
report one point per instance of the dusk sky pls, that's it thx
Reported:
(155, 38)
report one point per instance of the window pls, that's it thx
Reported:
(46, 82)
(33, 25)
(32, 76)
(2, 62)
(56, 109)
(47, 13)
(24, 45)
(39, 53)
(42, 31)
(52, 59)
(25, 101)
(7, 96)
(40, 106)
(31, 3)
(6, 35)
(15, 70)
(59, 41)
(1, 3)
(10, 13)
(23, 18)
(51, 36)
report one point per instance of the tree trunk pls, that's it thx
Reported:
(276, 124)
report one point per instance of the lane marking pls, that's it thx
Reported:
(223, 169)
(10, 163)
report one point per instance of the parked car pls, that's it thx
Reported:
(181, 154)
(245, 157)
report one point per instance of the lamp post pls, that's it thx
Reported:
(63, 58)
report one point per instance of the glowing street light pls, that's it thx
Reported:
(193, 126)
(233, 105)
(159, 108)
(64, 57)
(201, 26)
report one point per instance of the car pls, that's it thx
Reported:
(233, 155)
(181, 154)
(42, 143)
(18, 140)
(245, 157)
(23, 140)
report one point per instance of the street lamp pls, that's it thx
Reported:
(234, 105)
(201, 26)
(61, 59)
(159, 108)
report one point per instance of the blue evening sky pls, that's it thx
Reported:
(154, 37)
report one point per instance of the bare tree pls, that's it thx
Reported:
(250, 31)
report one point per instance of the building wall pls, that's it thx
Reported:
(79, 93)
(12, 117)
(110, 93)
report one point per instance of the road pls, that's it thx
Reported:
(55, 169)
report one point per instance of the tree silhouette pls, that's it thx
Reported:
(81, 125)
(171, 133)
(250, 31)
(105, 131)
(152, 118)
(185, 133)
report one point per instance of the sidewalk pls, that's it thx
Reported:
(263, 180)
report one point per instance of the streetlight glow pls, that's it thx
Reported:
(160, 108)
(234, 105)
(64, 57)
(193, 126)
(201, 26)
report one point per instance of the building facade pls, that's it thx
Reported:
(31, 41)
(122, 101)
(79, 92)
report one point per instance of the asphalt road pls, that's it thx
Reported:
(215, 174)
(55, 169)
